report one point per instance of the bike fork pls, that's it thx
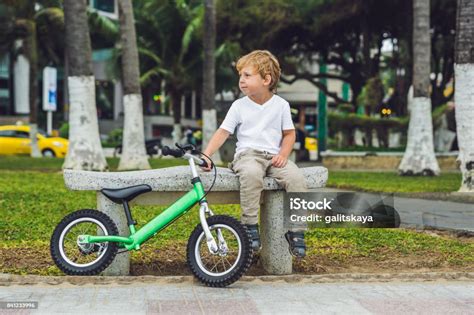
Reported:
(211, 242)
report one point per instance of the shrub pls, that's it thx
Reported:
(64, 130)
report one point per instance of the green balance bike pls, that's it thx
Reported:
(219, 249)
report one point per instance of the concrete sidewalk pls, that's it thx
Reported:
(246, 297)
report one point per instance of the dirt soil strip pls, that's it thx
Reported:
(10, 279)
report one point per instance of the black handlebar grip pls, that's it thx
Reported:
(204, 163)
(168, 151)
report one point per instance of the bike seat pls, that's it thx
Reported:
(125, 194)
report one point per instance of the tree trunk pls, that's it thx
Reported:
(11, 83)
(85, 149)
(30, 47)
(65, 88)
(175, 96)
(419, 157)
(367, 63)
(464, 95)
(134, 154)
(209, 114)
(21, 81)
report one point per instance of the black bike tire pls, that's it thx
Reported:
(98, 266)
(245, 260)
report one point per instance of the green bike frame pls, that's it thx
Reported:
(174, 211)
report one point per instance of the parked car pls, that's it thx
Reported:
(311, 143)
(153, 148)
(16, 140)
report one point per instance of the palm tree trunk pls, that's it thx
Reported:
(175, 96)
(464, 95)
(209, 114)
(26, 84)
(134, 154)
(419, 157)
(85, 150)
(65, 88)
(30, 47)
(21, 81)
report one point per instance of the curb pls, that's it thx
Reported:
(10, 279)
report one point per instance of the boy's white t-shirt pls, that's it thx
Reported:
(258, 126)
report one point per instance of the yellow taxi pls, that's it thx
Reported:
(16, 140)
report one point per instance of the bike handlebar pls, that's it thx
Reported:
(181, 151)
(173, 152)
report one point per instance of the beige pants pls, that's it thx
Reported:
(252, 166)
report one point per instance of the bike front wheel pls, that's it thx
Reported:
(232, 259)
(74, 257)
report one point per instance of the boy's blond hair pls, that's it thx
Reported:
(265, 63)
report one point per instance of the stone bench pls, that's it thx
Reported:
(168, 184)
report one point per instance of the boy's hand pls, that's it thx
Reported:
(208, 168)
(279, 161)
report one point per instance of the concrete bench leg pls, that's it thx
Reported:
(121, 265)
(276, 258)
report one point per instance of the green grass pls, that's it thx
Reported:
(55, 164)
(390, 182)
(378, 244)
(367, 149)
(32, 202)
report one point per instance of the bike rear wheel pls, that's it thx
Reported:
(232, 259)
(74, 257)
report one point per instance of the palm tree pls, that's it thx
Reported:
(134, 153)
(20, 35)
(464, 95)
(177, 62)
(30, 47)
(85, 150)
(209, 115)
(33, 32)
(419, 157)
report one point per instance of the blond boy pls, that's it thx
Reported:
(265, 138)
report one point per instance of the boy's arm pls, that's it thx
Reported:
(217, 140)
(289, 138)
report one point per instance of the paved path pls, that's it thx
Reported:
(420, 213)
(253, 297)
(434, 213)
